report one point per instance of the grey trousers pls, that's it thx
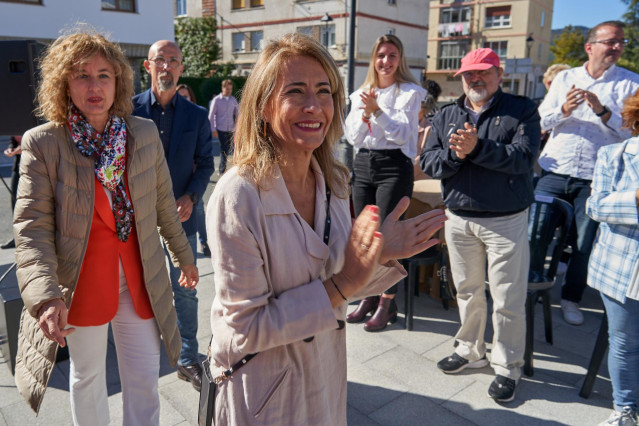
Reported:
(493, 249)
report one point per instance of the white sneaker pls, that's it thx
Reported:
(572, 314)
(621, 418)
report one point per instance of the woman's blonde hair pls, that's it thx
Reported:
(255, 153)
(62, 58)
(402, 74)
(552, 71)
(630, 113)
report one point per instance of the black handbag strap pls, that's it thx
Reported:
(225, 375)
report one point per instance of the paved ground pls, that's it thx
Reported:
(392, 377)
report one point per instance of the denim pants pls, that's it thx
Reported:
(226, 139)
(185, 301)
(201, 222)
(623, 352)
(582, 235)
(382, 177)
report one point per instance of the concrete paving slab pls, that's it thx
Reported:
(410, 409)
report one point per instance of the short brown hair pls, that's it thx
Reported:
(226, 82)
(255, 152)
(60, 60)
(592, 34)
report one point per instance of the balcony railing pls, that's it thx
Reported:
(454, 29)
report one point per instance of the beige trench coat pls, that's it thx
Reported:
(269, 265)
(52, 221)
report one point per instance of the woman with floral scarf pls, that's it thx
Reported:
(93, 193)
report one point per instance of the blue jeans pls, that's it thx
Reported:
(186, 307)
(623, 353)
(201, 222)
(582, 235)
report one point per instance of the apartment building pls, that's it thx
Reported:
(135, 24)
(518, 30)
(243, 25)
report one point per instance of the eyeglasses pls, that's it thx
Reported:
(161, 62)
(612, 42)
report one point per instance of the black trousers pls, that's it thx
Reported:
(226, 141)
(382, 177)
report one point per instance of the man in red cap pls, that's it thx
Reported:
(483, 147)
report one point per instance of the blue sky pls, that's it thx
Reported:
(586, 12)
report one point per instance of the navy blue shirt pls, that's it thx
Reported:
(163, 119)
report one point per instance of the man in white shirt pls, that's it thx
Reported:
(583, 109)
(222, 116)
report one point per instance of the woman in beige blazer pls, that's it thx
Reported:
(282, 285)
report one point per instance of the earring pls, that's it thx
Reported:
(264, 129)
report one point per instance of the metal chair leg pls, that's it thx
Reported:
(531, 299)
(545, 297)
(597, 356)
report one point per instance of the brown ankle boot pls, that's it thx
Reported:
(386, 312)
(367, 305)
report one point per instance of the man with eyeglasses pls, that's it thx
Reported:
(187, 141)
(583, 109)
(483, 147)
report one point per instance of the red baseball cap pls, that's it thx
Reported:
(478, 59)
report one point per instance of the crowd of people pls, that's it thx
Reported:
(109, 204)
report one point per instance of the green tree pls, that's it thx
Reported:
(200, 48)
(568, 47)
(630, 57)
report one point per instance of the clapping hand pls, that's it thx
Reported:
(362, 252)
(406, 238)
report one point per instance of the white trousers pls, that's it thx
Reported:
(137, 344)
(502, 244)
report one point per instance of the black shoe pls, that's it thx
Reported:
(9, 244)
(206, 251)
(455, 364)
(502, 389)
(191, 373)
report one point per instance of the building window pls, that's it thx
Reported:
(454, 21)
(455, 14)
(238, 43)
(450, 54)
(256, 40)
(543, 18)
(392, 2)
(497, 17)
(539, 51)
(180, 7)
(257, 3)
(121, 5)
(499, 47)
(237, 4)
(328, 35)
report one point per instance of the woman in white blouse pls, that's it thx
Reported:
(382, 126)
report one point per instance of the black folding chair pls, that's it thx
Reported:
(547, 234)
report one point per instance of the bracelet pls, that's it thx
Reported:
(366, 118)
(337, 288)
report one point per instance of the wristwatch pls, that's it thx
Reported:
(194, 197)
(378, 113)
(604, 111)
